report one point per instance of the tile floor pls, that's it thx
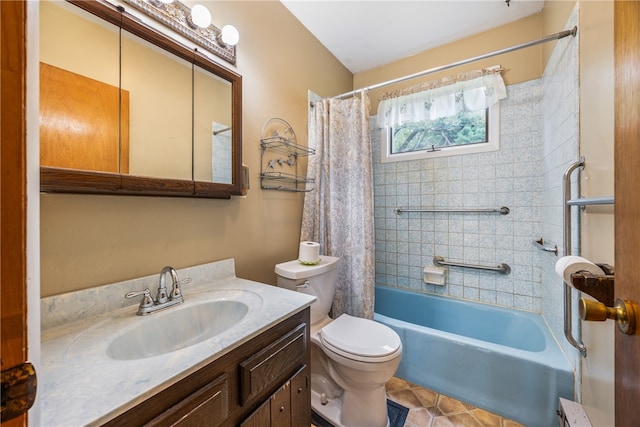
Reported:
(430, 409)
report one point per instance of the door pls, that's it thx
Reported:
(13, 215)
(627, 202)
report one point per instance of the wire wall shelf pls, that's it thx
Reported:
(282, 181)
(279, 155)
(285, 146)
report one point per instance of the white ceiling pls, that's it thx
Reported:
(364, 34)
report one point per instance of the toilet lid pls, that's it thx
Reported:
(360, 337)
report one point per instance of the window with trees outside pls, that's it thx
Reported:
(463, 133)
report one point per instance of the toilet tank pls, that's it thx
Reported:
(321, 282)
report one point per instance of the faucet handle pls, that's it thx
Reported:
(162, 295)
(147, 301)
(176, 292)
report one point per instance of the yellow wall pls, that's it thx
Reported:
(597, 179)
(554, 17)
(91, 240)
(521, 65)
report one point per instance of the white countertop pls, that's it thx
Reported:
(79, 384)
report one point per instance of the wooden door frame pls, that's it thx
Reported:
(13, 189)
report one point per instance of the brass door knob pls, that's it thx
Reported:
(623, 312)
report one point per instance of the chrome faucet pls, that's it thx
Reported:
(164, 299)
(163, 296)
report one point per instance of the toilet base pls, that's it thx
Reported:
(331, 411)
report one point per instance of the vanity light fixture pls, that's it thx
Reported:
(229, 35)
(199, 16)
(192, 23)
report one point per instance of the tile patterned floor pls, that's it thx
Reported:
(430, 409)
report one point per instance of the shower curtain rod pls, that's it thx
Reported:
(552, 37)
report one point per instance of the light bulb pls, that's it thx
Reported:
(200, 16)
(230, 35)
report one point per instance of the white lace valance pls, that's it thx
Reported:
(443, 101)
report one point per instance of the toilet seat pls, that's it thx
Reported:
(360, 339)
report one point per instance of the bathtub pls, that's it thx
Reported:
(502, 360)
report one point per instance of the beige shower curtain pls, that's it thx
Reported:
(338, 213)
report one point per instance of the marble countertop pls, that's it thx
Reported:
(80, 385)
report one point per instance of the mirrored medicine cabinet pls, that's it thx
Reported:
(124, 109)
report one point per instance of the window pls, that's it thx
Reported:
(463, 133)
(447, 117)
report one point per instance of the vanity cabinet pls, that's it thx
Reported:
(268, 376)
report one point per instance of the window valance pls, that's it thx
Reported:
(448, 96)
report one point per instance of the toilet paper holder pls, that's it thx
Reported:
(624, 312)
(598, 286)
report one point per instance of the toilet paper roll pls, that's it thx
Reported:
(567, 265)
(309, 253)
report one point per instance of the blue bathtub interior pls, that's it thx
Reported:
(502, 360)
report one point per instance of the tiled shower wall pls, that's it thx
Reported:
(406, 243)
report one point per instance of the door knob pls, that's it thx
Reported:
(623, 312)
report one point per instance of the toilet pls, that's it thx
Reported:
(351, 358)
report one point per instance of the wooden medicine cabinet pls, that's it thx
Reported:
(125, 109)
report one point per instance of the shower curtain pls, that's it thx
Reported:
(338, 213)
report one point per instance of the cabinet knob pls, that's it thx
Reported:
(299, 390)
(282, 409)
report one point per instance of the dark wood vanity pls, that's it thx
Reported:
(264, 382)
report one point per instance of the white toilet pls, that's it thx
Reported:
(351, 358)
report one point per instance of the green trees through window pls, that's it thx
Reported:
(463, 129)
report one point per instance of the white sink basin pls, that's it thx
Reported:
(176, 328)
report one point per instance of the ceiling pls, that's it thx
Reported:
(364, 34)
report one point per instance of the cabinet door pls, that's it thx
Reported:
(275, 412)
(281, 406)
(260, 418)
(301, 398)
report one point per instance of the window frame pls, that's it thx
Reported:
(493, 143)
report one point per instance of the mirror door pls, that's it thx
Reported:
(80, 100)
(159, 88)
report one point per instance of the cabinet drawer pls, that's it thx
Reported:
(274, 364)
(208, 406)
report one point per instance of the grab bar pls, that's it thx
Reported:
(500, 268)
(566, 195)
(608, 200)
(502, 210)
(568, 310)
(540, 244)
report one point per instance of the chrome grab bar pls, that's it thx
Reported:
(540, 244)
(608, 200)
(502, 210)
(568, 310)
(500, 268)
